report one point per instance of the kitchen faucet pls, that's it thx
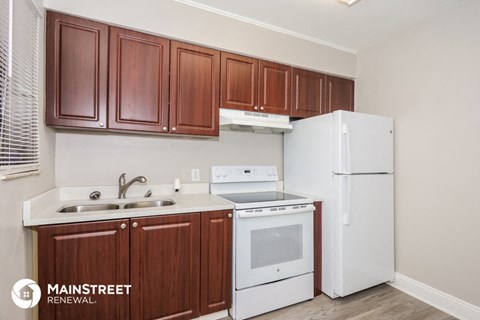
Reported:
(123, 186)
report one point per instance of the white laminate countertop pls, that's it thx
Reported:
(42, 209)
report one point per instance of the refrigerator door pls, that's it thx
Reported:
(363, 250)
(362, 143)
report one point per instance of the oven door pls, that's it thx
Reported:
(273, 246)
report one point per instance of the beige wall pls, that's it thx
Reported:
(87, 160)
(16, 241)
(428, 79)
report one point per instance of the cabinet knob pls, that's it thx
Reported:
(135, 224)
(230, 215)
(255, 108)
(101, 124)
(165, 129)
(123, 225)
(262, 108)
(174, 129)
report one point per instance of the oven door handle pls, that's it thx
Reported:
(242, 214)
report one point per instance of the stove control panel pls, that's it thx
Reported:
(229, 174)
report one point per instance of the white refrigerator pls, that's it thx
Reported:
(346, 159)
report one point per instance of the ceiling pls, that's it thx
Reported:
(330, 22)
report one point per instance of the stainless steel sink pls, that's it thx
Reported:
(149, 204)
(88, 207)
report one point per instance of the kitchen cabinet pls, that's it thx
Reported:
(339, 94)
(317, 248)
(194, 89)
(255, 85)
(165, 262)
(84, 253)
(76, 72)
(138, 81)
(179, 266)
(274, 87)
(216, 261)
(308, 93)
(239, 82)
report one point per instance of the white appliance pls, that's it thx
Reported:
(273, 240)
(346, 158)
(253, 121)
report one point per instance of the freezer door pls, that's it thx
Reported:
(362, 143)
(363, 243)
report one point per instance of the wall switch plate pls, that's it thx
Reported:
(195, 175)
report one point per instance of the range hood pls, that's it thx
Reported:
(253, 121)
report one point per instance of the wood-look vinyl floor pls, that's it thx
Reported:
(379, 303)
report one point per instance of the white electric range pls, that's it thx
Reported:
(273, 240)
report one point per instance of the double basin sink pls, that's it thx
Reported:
(112, 206)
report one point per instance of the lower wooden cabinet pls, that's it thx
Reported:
(317, 248)
(84, 253)
(178, 266)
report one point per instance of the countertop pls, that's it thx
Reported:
(42, 210)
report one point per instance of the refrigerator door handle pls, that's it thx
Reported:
(346, 133)
(346, 201)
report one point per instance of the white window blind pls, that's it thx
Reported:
(19, 37)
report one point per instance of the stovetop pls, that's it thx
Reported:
(263, 199)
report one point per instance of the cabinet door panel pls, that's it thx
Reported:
(274, 87)
(317, 248)
(165, 263)
(308, 93)
(76, 72)
(239, 82)
(216, 262)
(339, 94)
(139, 66)
(84, 253)
(194, 89)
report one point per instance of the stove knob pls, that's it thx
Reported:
(217, 172)
(274, 172)
(224, 173)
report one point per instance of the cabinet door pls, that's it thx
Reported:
(138, 87)
(76, 72)
(84, 253)
(165, 264)
(239, 82)
(216, 261)
(194, 89)
(339, 94)
(274, 87)
(308, 93)
(317, 249)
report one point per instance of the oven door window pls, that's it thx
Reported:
(273, 248)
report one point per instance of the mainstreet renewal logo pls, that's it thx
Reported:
(26, 293)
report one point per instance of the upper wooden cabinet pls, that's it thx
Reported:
(239, 82)
(138, 88)
(76, 72)
(194, 89)
(255, 85)
(339, 94)
(274, 87)
(308, 93)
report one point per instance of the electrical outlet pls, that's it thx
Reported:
(195, 175)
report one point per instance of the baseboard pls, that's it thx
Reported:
(436, 298)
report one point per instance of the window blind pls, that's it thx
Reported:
(19, 42)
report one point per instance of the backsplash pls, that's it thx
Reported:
(87, 159)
